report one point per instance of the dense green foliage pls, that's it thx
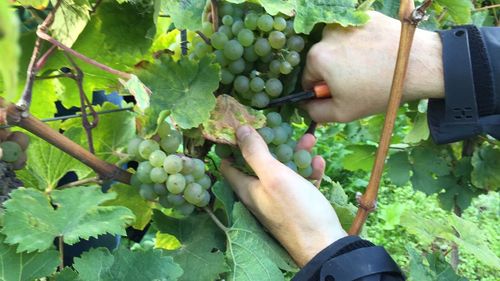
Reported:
(434, 199)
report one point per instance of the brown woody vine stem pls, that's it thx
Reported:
(215, 14)
(409, 17)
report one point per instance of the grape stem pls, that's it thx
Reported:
(61, 252)
(81, 182)
(204, 37)
(409, 17)
(216, 220)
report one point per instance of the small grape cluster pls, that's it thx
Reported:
(254, 50)
(13, 147)
(278, 135)
(176, 181)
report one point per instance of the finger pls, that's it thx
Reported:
(255, 151)
(239, 181)
(318, 165)
(321, 111)
(306, 142)
(314, 61)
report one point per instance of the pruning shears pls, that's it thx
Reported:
(319, 91)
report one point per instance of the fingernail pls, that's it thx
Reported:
(242, 132)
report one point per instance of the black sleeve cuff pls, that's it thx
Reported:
(470, 107)
(349, 258)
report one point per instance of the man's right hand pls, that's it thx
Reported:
(358, 63)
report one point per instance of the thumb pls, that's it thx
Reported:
(254, 150)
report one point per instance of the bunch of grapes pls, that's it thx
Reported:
(254, 50)
(175, 180)
(278, 135)
(13, 147)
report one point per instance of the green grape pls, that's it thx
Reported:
(254, 73)
(292, 166)
(267, 58)
(306, 172)
(226, 9)
(289, 28)
(226, 30)
(265, 23)
(147, 192)
(246, 37)
(285, 67)
(238, 25)
(237, 66)
(146, 147)
(158, 175)
(262, 47)
(207, 28)
(160, 189)
(11, 151)
(248, 95)
(176, 199)
(204, 201)
(241, 84)
(260, 100)
(220, 58)
(295, 43)
(284, 153)
(164, 130)
(223, 150)
(279, 23)
(274, 87)
(205, 182)
(133, 147)
(189, 178)
(199, 169)
(293, 58)
(233, 50)
(251, 21)
(157, 157)
(176, 183)
(249, 54)
(201, 49)
(302, 158)
(193, 193)
(267, 134)
(171, 143)
(185, 209)
(238, 12)
(143, 172)
(292, 143)
(218, 39)
(163, 200)
(257, 84)
(248, 67)
(172, 164)
(277, 39)
(280, 136)
(187, 166)
(135, 181)
(274, 66)
(273, 119)
(227, 20)
(226, 76)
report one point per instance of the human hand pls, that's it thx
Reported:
(358, 63)
(289, 206)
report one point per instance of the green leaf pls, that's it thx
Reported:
(343, 12)
(25, 266)
(129, 197)
(186, 14)
(70, 20)
(420, 130)
(427, 165)
(137, 89)
(225, 195)
(398, 168)
(32, 222)
(360, 158)
(48, 164)
(274, 7)
(442, 269)
(459, 10)
(124, 265)
(185, 88)
(417, 269)
(37, 4)
(227, 116)
(486, 163)
(67, 274)
(345, 211)
(251, 253)
(205, 250)
(9, 37)
(455, 194)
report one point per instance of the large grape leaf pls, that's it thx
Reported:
(37, 4)
(311, 12)
(459, 10)
(25, 266)
(185, 88)
(128, 196)
(345, 210)
(67, 274)
(456, 193)
(137, 89)
(398, 168)
(9, 37)
(227, 116)
(428, 164)
(32, 222)
(70, 20)
(225, 197)
(186, 14)
(273, 7)
(124, 265)
(420, 130)
(486, 163)
(437, 270)
(251, 253)
(201, 242)
(361, 157)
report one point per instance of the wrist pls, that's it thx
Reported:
(305, 250)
